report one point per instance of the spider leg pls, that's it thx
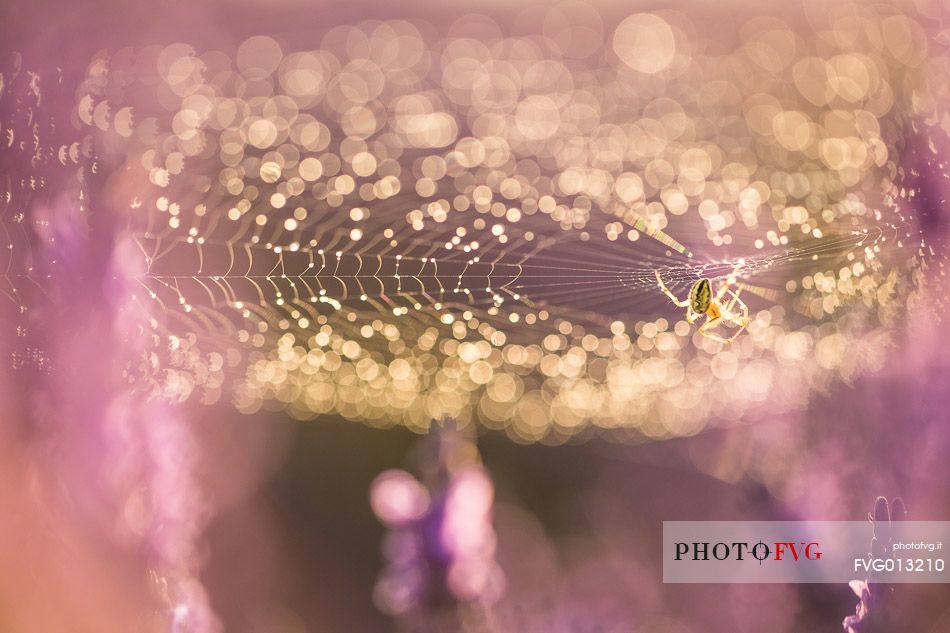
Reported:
(741, 320)
(681, 304)
(730, 280)
(717, 337)
(735, 299)
(743, 315)
(733, 337)
(725, 288)
(706, 330)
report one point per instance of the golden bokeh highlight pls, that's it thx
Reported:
(397, 228)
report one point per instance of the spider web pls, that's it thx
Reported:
(386, 242)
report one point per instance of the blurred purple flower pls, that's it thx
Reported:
(440, 550)
(123, 459)
(871, 614)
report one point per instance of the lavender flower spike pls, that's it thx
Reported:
(872, 614)
(440, 550)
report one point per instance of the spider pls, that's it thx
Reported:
(702, 302)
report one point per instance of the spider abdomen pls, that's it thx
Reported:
(700, 295)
